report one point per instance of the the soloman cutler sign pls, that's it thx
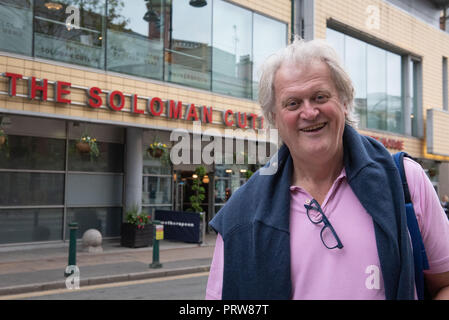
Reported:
(115, 101)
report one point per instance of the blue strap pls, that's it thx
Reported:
(419, 252)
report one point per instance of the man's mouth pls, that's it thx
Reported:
(314, 128)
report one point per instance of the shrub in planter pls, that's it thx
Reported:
(136, 231)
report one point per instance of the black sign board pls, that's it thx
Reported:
(180, 226)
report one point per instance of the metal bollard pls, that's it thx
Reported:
(72, 246)
(156, 237)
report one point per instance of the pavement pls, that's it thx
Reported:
(32, 268)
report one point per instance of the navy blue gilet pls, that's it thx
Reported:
(254, 224)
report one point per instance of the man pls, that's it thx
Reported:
(330, 223)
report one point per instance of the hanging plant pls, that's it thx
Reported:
(157, 149)
(160, 151)
(88, 144)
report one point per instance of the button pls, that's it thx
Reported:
(307, 201)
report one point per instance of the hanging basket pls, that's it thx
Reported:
(83, 147)
(156, 153)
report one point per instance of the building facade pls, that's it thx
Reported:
(131, 74)
(396, 54)
(128, 74)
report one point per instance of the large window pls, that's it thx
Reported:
(188, 54)
(31, 188)
(217, 47)
(377, 77)
(135, 38)
(16, 29)
(232, 56)
(269, 36)
(71, 31)
(45, 183)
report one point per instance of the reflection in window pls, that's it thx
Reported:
(26, 225)
(376, 88)
(355, 62)
(156, 190)
(60, 35)
(135, 38)
(105, 220)
(269, 36)
(232, 59)
(377, 78)
(31, 188)
(395, 116)
(34, 153)
(16, 30)
(188, 52)
(157, 183)
(110, 159)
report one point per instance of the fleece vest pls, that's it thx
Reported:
(254, 223)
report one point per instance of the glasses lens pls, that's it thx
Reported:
(314, 215)
(328, 237)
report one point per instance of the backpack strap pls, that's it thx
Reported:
(419, 252)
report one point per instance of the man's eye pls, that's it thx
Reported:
(321, 98)
(292, 105)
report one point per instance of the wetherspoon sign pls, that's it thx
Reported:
(115, 101)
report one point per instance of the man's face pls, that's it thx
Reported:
(308, 112)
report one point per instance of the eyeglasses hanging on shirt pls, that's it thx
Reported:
(328, 235)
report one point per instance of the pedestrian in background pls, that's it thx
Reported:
(330, 223)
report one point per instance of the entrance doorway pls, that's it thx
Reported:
(183, 191)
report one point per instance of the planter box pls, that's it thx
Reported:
(132, 237)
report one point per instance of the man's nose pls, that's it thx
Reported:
(309, 111)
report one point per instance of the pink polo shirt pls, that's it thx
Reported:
(352, 272)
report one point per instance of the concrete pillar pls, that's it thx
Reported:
(133, 168)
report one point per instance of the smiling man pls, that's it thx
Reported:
(330, 223)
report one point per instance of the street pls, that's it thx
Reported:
(183, 287)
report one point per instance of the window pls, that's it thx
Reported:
(60, 35)
(16, 30)
(156, 185)
(232, 57)
(269, 36)
(218, 47)
(106, 220)
(377, 78)
(376, 88)
(26, 225)
(135, 38)
(188, 54)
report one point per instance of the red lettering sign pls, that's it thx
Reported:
(33, 88)
(111, 100)
(226, 115)
(174, 112)
(134, 105)
(152, 106)
(94, 101)
(253, 117)
(12, 83)
(59, 91)
(240, 123)
(206, 114)
(191, 113)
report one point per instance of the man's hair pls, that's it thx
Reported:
(303, 53)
